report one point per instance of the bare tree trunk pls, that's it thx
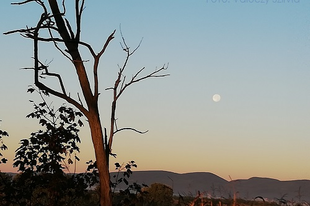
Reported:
(92, 104)
(101, 159)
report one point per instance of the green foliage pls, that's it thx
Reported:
(126, 170)
(42, 159)
(123, 197)
(132, 195)
(46, 154)
(46, 150)
(91, 176)
(2, 145)
(32, 189)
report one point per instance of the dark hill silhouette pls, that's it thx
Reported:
(296, 190)
(181, 183)
(213, 185)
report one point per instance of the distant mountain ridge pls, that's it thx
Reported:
(215, 186)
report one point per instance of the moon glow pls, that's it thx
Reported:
(216, 98)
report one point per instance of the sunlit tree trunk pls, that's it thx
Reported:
(101, 158)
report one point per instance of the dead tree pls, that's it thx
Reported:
(60, 33)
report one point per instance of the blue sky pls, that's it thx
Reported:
(255, 55)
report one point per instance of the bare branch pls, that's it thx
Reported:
(70, 29)
(24, 2)
(78, 94)
(55, 40)
(123, 82)
(129, 128)
(37, 68)
(62, 26)
(55, 75)
(28, 30)
(134, 79)
(89, 48)
(106, 44)
(63, 6)
(78, 14)
(27, 68)
(78, 20)
(120, 85)
(125, 47)
(96, 62)
(137, 74)
(51, 39)
(60, 21)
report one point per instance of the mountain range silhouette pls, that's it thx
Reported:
(214, 186)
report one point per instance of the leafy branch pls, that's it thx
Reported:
(2, 145)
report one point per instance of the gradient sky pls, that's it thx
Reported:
(255, 55)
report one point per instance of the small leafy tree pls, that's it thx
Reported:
(120, 195)
(132, 194)
(126, 168)
(43, 158)
(2, 145)
(46, 150)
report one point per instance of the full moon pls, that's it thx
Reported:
(216, 98)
